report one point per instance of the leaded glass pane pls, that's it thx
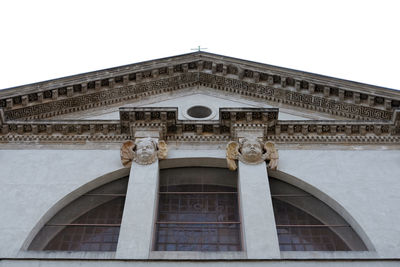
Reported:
(89, 223)
(304, 223)
(198, 210)
(304, 232)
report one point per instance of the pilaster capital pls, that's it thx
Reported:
(143, 151)
(251, 151)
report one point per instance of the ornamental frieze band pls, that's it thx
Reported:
(373, 109)
(248, 82)
(116, 94)
(276, 93)
(231, 120)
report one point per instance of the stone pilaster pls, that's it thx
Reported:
(135, 238)
(258, 222)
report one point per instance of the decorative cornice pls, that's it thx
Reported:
(232, 120)
(101, 98)
(343, 140)
(373, 110)
(302, 100)
(63, 139)
(75, 128)
(273, 84)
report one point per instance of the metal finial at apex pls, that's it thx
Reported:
(199, 48)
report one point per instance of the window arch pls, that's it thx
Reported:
(89, 223)
(305, 223)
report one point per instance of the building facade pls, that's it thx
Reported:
(199, 159)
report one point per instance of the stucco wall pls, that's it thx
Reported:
(32, 181)
(361, 185)
(364, 183)
(119, 263)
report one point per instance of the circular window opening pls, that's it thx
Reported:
(199, 112)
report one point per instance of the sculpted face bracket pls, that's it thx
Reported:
(251, 151)
(143, 151)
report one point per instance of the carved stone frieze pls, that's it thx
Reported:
(282, 139)
(274, 84)
(63, 139)
(232, 122)
(70, 128)
(294, 98)
(107, 97)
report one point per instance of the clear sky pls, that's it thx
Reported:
(354, 40)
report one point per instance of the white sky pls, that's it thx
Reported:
(354, 40)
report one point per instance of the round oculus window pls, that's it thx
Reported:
(199, 112)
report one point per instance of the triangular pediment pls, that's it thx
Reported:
(239, 92)
(312, 92)
(185, 99)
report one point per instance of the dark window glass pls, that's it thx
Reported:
(198, 210)
(304, 223)
(298, 230)
(89, 223)
(96, 230)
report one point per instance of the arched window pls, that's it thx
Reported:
(198, 210)
(304, 223)
(89, 223)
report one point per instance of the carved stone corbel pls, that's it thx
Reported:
(143, 151)
(251, 151)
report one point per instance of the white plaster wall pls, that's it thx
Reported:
(365, 183)
(129, 263)
(32, 181)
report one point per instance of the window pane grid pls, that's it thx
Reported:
(309, 239)
(198, 237)
(85, 238)
(85, 224)
(198, 208)
(197, 188)
(89, 223)
(96, 230)
(197, 217)
(299, 231)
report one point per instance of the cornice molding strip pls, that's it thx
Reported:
(346, 140)
(299, 89)
(63, 139)
(102, 98)
(232, 120)
(301, 100)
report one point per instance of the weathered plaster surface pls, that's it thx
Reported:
(365, 183)
(33, 181)
(361, 185)
(272, 263)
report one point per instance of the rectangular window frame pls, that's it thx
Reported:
(201, 254)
